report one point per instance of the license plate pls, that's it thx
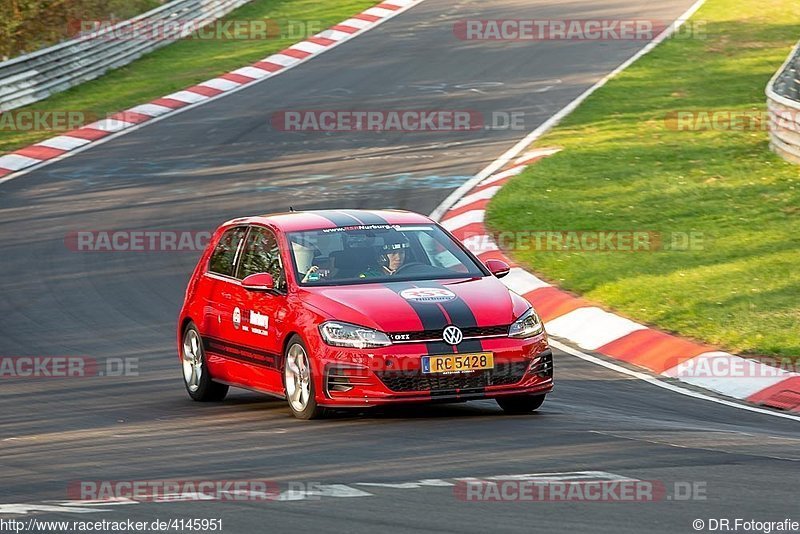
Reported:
(457, 363)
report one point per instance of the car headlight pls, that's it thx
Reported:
(528, 325)
(350, 335)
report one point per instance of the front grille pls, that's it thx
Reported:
(503, 374)
(436, 335)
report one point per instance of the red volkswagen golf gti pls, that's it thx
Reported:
(346, 308)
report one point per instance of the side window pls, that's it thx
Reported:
(225, 252)
(262, 255)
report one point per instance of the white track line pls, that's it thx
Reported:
(665, 385)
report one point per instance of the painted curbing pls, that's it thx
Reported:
(50, 150)
(591, 328)
(583, 323)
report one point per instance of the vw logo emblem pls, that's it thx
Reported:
(452, 335)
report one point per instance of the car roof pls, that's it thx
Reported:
(298, 221)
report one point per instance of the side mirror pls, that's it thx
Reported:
(498, 268)
(259, 282)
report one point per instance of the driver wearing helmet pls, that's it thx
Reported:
(392, 257)
(394, 253)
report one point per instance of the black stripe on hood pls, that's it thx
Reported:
(461, 316)
(430, 315)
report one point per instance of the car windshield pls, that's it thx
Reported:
(378, 253)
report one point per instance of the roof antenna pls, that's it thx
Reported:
(291, 209)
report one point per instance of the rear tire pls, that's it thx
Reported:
(520, 404)
(196, 378)
(298, 381)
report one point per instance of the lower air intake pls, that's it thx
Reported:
(502, 375)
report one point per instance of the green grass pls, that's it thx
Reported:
(185, 63)
(622, 168)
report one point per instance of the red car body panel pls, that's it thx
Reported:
(249, 354)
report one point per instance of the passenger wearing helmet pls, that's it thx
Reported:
(304, 253)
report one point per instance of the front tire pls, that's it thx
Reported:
(520, 404)
(195, 371)
(298, 381)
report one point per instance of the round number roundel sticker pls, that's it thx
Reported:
(427, 294)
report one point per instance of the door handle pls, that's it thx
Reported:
(226, 295)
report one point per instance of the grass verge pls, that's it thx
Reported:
(626, 166)
(188, 62)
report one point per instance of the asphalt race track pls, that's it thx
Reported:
(223, 159)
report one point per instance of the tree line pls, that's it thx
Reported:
(29, 25)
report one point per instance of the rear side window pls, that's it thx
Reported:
(224, 256)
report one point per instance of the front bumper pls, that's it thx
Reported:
(391, 375)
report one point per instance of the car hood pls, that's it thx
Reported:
(424, 305)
